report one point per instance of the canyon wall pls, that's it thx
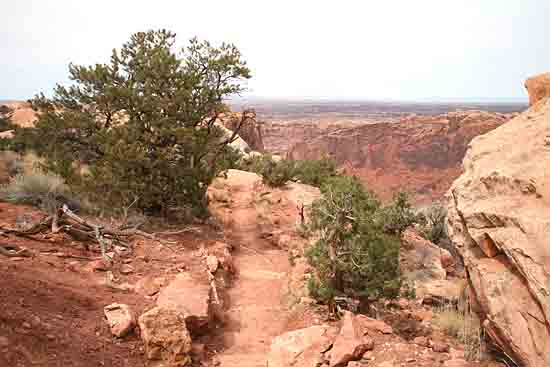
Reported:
(499, 220)
(418, 154)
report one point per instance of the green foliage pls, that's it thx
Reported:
(278, 173)
(5, 125)
(434, 228)
(142, 125)
(315, 172)
(399, 215)
(354, 255)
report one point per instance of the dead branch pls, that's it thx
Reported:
(80, 229)
(14, 251)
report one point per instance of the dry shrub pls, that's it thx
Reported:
(458, 321)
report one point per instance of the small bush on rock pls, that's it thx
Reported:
(354, 255)
(434, 228)
(315, 172)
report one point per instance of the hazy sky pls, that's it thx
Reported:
(371, 49)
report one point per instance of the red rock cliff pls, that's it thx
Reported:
(419, 154)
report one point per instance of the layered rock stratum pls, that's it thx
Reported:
(418, 154)
(499, 219)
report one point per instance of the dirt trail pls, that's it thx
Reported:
(255, 313)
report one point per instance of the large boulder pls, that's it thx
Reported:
(421, 258)
(301, 348)
(191, 297)
(166, 338)
(538, 88)
(351, 343)
(499, 219)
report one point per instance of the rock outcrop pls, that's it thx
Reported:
(423, 259)
(21, 113)
(250, 129)
(301, 348)
(120, 318)
(538, 88)
(166, 338)
(191, 297)
(419, 154)
(499, 219)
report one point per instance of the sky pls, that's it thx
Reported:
(364, 49)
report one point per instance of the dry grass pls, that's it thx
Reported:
(458, 321)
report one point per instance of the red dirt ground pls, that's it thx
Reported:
(51, 307)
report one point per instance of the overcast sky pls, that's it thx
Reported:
(368, 49)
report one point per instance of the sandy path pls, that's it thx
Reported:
(255, 313)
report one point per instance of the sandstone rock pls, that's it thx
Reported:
(440, 347)
(499, 215)
(4, 342)
(538, 88)
(191, 297)
(422, 341)
(351, 343)
(422, 258)
(421, 155)
(455, 363)
(166, 338)
(371, 324)
(100, 265)
(126, 269)
(300, 348)
(249, 128)
(9, 134)
(120, 318)
(148, 285)
(438, 292)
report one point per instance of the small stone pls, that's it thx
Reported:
(26, 325)
(126, 269)
(120, 319)
(17, 258)
(100, 265)
(307, 301)
(4, 342)
(422, 341)
(455, 363)
(50, 336)
(440, 347)
(73, 266)
(127, 261)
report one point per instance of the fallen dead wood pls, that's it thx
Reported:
(66, 221)
(14, 251)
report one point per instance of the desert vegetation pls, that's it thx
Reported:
(141, 128)
(357, 254)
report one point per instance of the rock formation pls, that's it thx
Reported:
(538, 87)
(420, 154)
(250, 130)
(499, 219)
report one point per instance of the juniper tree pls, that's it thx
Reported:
(143, 124)
(354, 255)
